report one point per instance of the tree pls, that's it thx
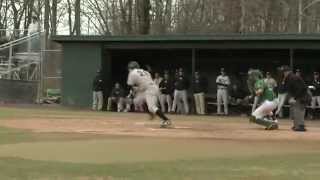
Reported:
(143, 10)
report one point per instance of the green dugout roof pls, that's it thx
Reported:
(214, 41)
(172, 38)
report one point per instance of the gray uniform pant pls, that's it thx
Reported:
(298, 112)
(199, 103)
(97, 100)
(222, 95)
(315, 100)
(165, 99)
(180, 98)
(119, 101)
(282, 99)
(255, 103)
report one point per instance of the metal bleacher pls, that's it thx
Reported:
(18, 62)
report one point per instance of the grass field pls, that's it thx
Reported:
(45, 143)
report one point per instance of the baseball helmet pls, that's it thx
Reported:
(133, 65)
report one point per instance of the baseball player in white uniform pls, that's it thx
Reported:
(141, 80)
(223, 82)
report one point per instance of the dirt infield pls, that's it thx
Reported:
(133, 124)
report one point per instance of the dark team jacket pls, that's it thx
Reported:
(297, 88)
(200, 85)
(166, 86)
(181, 83)
(117, 92)
(316, 84)
(97, 83)
(282, 88)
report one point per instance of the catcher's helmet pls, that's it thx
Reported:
(133, 65)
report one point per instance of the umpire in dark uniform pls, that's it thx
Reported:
(299, 97)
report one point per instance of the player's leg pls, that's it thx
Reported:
(313, 106)
(202, 104)
(139, 102)
(185, 101)
(151, 100)
(128, 104)
(318, 105)
(265, 109)
(94, 100)
(109, 103)
(225, 101)
(298, 116)
(179, 102)
(100, 100)
(255, 103)
(169, 102)
(219, 98)
(162, 100)
(175, 98)
(196, 103)
(261, 114)
(120, 104)
(281, 99)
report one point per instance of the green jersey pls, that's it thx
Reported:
(267, 93)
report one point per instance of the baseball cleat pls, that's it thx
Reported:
(300, 128)
(165, 124)
(252, 119)
(272, 126)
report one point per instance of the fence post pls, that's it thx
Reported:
(10, 62)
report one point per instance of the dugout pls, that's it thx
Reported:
(83, 55)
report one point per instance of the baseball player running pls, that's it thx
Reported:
(263, 114)
(141, 80)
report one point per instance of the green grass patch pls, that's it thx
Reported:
(13, 136)
(285, 167)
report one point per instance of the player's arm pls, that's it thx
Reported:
(259, 87)
(259, 92)
(228, 81)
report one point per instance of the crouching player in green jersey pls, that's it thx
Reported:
(263, 115)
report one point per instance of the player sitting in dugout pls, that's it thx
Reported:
(263, 115)
(116, 96)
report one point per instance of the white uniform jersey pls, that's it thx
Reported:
(140, 78)
(223, 80)
(147, 90)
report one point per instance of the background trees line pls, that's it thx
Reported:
(130, 17)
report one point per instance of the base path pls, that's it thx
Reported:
(135, 124)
